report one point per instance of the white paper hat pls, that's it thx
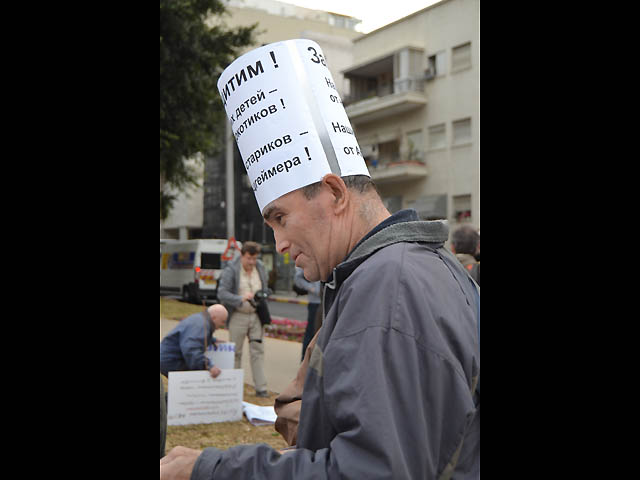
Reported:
(288, 119)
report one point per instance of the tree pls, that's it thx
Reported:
(193, 53)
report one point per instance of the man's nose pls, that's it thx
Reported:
(282, 245)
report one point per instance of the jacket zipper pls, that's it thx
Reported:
(332, 286)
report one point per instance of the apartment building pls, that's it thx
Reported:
(414, 105)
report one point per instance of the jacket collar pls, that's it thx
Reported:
(403, 226)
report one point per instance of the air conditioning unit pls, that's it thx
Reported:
(429, 73)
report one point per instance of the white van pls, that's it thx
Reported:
(191, 268)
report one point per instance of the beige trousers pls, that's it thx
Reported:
(248, 324)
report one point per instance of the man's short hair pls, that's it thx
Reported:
(465, 240)
(359, 183)
(252, 248)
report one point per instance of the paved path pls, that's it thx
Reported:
(282, 357)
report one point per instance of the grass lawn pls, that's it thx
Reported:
(176, 310)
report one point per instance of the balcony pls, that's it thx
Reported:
(390, 85)
(378, 107)
(396, 171)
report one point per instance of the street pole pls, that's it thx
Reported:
(230, 201)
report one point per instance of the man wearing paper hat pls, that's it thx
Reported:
(391, 385)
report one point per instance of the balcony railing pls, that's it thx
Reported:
(394, 169)
(409, 85)
(399, 86)
(380, 91)
(408, 94)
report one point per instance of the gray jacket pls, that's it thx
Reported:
(229, 283)
(390, 391)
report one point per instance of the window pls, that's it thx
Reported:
(210, 261)
(414, 140)
(462, 208)
(194, 233)
(389, 151)
(461, 57)
(462, 131)
(437, 138)
(437, 64)
(430, 207)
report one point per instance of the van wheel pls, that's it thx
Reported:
(186, 297)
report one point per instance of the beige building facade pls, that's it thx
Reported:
(278, 21)
(185, 218)
(414, 104)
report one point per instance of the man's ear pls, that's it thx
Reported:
(338, 190)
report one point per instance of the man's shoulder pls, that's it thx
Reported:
(231, 268)
(193, 319)
(406, 262)
(398, 255)
(377, 271)
(260, 265)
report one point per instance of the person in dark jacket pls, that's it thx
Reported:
(465, 243)
(313, 295)
(183, 348)
(391, 381)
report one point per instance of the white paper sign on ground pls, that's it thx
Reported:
(222, 354)
(288, 118)
(259, 415)
(195, 397)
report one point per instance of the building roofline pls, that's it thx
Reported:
(437, 4)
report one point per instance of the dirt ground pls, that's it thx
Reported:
(224, 434)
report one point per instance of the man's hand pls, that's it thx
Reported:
(214, 372)
(247, 296)
(178, 463)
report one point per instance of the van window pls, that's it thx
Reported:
(210, 261)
